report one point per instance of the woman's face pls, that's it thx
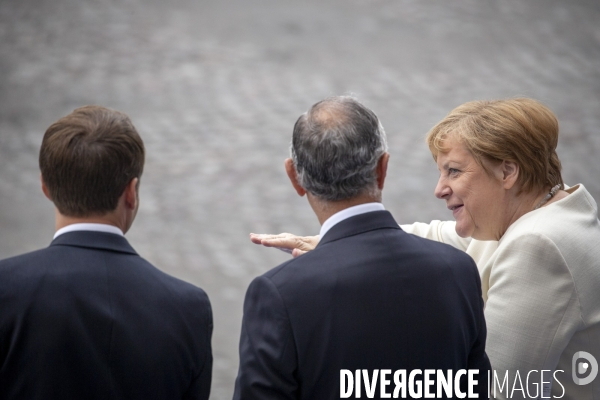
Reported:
(475, 197)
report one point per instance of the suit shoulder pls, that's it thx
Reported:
(440, 255)
(438, 248)
(39, 262)
(398, 245)
(175, 284)
(25, 264)
(281, 268)
(24, 258)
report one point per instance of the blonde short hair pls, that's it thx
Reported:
(521, 130)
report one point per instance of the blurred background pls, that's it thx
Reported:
(214, 88)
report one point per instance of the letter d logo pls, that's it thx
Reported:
(582, 367)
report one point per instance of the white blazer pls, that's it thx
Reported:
(541, 287)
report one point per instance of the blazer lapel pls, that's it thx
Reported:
(360, 224)
(94, 240)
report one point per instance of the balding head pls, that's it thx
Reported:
(335, 148)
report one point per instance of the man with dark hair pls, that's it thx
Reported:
(372, 310)
(87, 317)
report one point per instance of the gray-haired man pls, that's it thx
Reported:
(371, 309)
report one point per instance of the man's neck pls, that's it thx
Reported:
(325, 209)
(107, 219)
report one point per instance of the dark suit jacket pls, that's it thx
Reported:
(87, 318)
(370, 296)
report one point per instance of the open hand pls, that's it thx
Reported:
(288, 242)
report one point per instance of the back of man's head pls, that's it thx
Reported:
(88, 158)
(336, 146)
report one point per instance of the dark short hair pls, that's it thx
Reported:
(87, 159)
(335, 149)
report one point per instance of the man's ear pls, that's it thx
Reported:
(381, 169)
(131, 194)
(45, 188)
(291, 173)
(510, 173)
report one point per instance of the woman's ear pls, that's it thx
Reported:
(510, 173)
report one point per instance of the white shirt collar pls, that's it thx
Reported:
(347, 213)
(89, 227)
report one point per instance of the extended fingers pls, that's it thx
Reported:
(289, 241)
(285, 241)
(257, 238)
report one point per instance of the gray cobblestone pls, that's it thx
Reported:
(215, 87)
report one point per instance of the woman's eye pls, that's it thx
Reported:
(453, 171)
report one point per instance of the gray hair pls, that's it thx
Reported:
(335, 148)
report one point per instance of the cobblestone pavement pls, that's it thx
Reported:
(215, 87)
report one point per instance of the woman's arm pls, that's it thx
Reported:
(440, 231)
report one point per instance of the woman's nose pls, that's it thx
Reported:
(442, 190)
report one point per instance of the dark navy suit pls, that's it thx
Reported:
(87, 318)
(370, 296)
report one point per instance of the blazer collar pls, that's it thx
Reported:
(360, 224)
(94, 240)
